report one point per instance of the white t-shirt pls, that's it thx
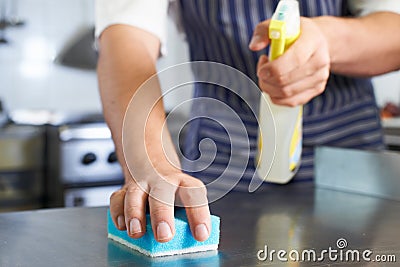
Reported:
(151, 15)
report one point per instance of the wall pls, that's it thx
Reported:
(387, 88)
(29, 78)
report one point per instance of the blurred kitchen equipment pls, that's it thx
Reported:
(83, 169)
(390, 110)
(3, 115)
(391, 131)
(80, 51)
(8, 20)
(48, 117)
(358, 171)
(14, 20)
(80, 162)
(21, 167)
(3, 22)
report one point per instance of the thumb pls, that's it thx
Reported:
(260, 39)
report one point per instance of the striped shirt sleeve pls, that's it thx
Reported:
(149, 15)
(365, 7)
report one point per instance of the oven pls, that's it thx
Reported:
(21, 167)
(83, 169)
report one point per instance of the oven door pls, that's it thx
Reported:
(89, 197)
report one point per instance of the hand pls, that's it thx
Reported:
(128, 206)
(301, 73)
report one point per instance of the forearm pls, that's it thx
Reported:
(135, 114)
(127, 59)
(364, 46)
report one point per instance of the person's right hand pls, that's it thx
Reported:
(301, 73)
(128, 206)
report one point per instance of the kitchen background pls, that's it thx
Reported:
(55, 149)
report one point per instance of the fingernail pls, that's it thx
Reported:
(135, 227)
(201, 232)
(255, 40)
(121, 221)
(163, 231)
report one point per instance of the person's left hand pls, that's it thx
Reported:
(301, 73)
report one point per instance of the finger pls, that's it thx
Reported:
(261, 62)
(117, 208)
(193, 194)
(301, 98)
(200, 222)
(161, 201)
(135, 210)
(260, 38)
(320, 60)
(308, 43)
(290, 90)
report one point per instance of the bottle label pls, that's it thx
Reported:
(296, 143)
(260, 145)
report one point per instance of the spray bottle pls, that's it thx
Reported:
(284, 30)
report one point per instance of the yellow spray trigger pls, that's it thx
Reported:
(277, 34)
(284, 28)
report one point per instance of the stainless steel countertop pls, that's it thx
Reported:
(295, 216)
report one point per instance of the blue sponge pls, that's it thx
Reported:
(182, 242)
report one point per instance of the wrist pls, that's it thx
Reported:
(150, 170)
(339, 36)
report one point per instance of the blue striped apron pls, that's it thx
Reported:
(345, 115)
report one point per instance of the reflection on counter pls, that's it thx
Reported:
(296, 216)
(119, 255)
